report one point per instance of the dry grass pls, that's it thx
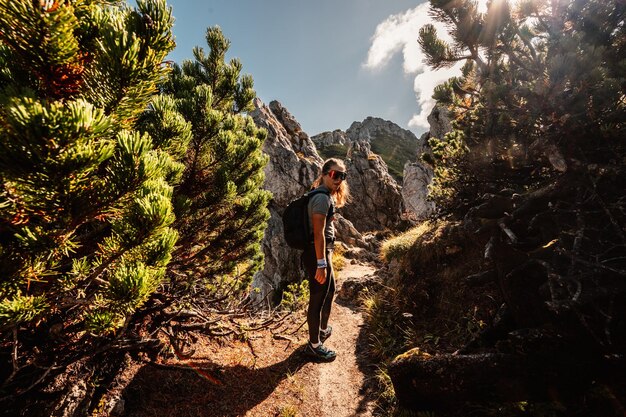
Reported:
(339, 261)
(398, 246)
(446, 312)
(430, 242)
(426, 304)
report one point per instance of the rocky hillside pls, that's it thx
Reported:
(395, 145)
(293, 166)
(379, 204)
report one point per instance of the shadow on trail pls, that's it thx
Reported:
(369, 391)
(167, 392)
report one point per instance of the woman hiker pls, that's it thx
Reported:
(317, 257)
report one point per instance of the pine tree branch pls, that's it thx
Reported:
(14, 358)
(527, 42)
(513, 57)
(209, 248)
(43, 376)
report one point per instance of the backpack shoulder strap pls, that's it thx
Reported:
(331, 209)
(316, 191)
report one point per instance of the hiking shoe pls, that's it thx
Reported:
(325, 334)
(320, 353)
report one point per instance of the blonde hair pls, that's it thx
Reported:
(342, 195)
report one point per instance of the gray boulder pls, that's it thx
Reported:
(417, 174)
(376, 199)
(417, 177)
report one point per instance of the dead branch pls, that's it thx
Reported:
(508, 232)
(599, 265)
(132, 344)
(489, 248)
(618, 229)
(51, 368)
(249, 343)
(14, 358)
(299, 327)
(196, 326)
(279, 336)
(481, 278)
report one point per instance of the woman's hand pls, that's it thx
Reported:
(320, 275)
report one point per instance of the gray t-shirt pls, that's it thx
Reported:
(320, 203)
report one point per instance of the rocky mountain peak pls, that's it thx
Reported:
(378, 201)
(394, 144)
(285, 118)
(373, 127)
(294, 162)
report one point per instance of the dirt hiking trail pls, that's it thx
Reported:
(341, 382)
(262, 376)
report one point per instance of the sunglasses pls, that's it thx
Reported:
(337, 175)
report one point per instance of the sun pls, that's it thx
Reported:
(482, 4)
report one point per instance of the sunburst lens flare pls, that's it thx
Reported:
(483, 5)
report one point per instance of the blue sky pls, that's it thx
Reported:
(329, 62)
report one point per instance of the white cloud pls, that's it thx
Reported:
(424, 85)
(399, 32)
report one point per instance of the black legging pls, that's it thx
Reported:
(321, 298)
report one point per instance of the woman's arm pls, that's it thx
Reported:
(319, 224)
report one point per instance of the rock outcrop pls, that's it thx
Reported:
(377, 202)
(336, 137)
(395, 145)
(295, 163)
(439, 121)
(293, 166)
(417, 174)
(399, 149)
(372, 128)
